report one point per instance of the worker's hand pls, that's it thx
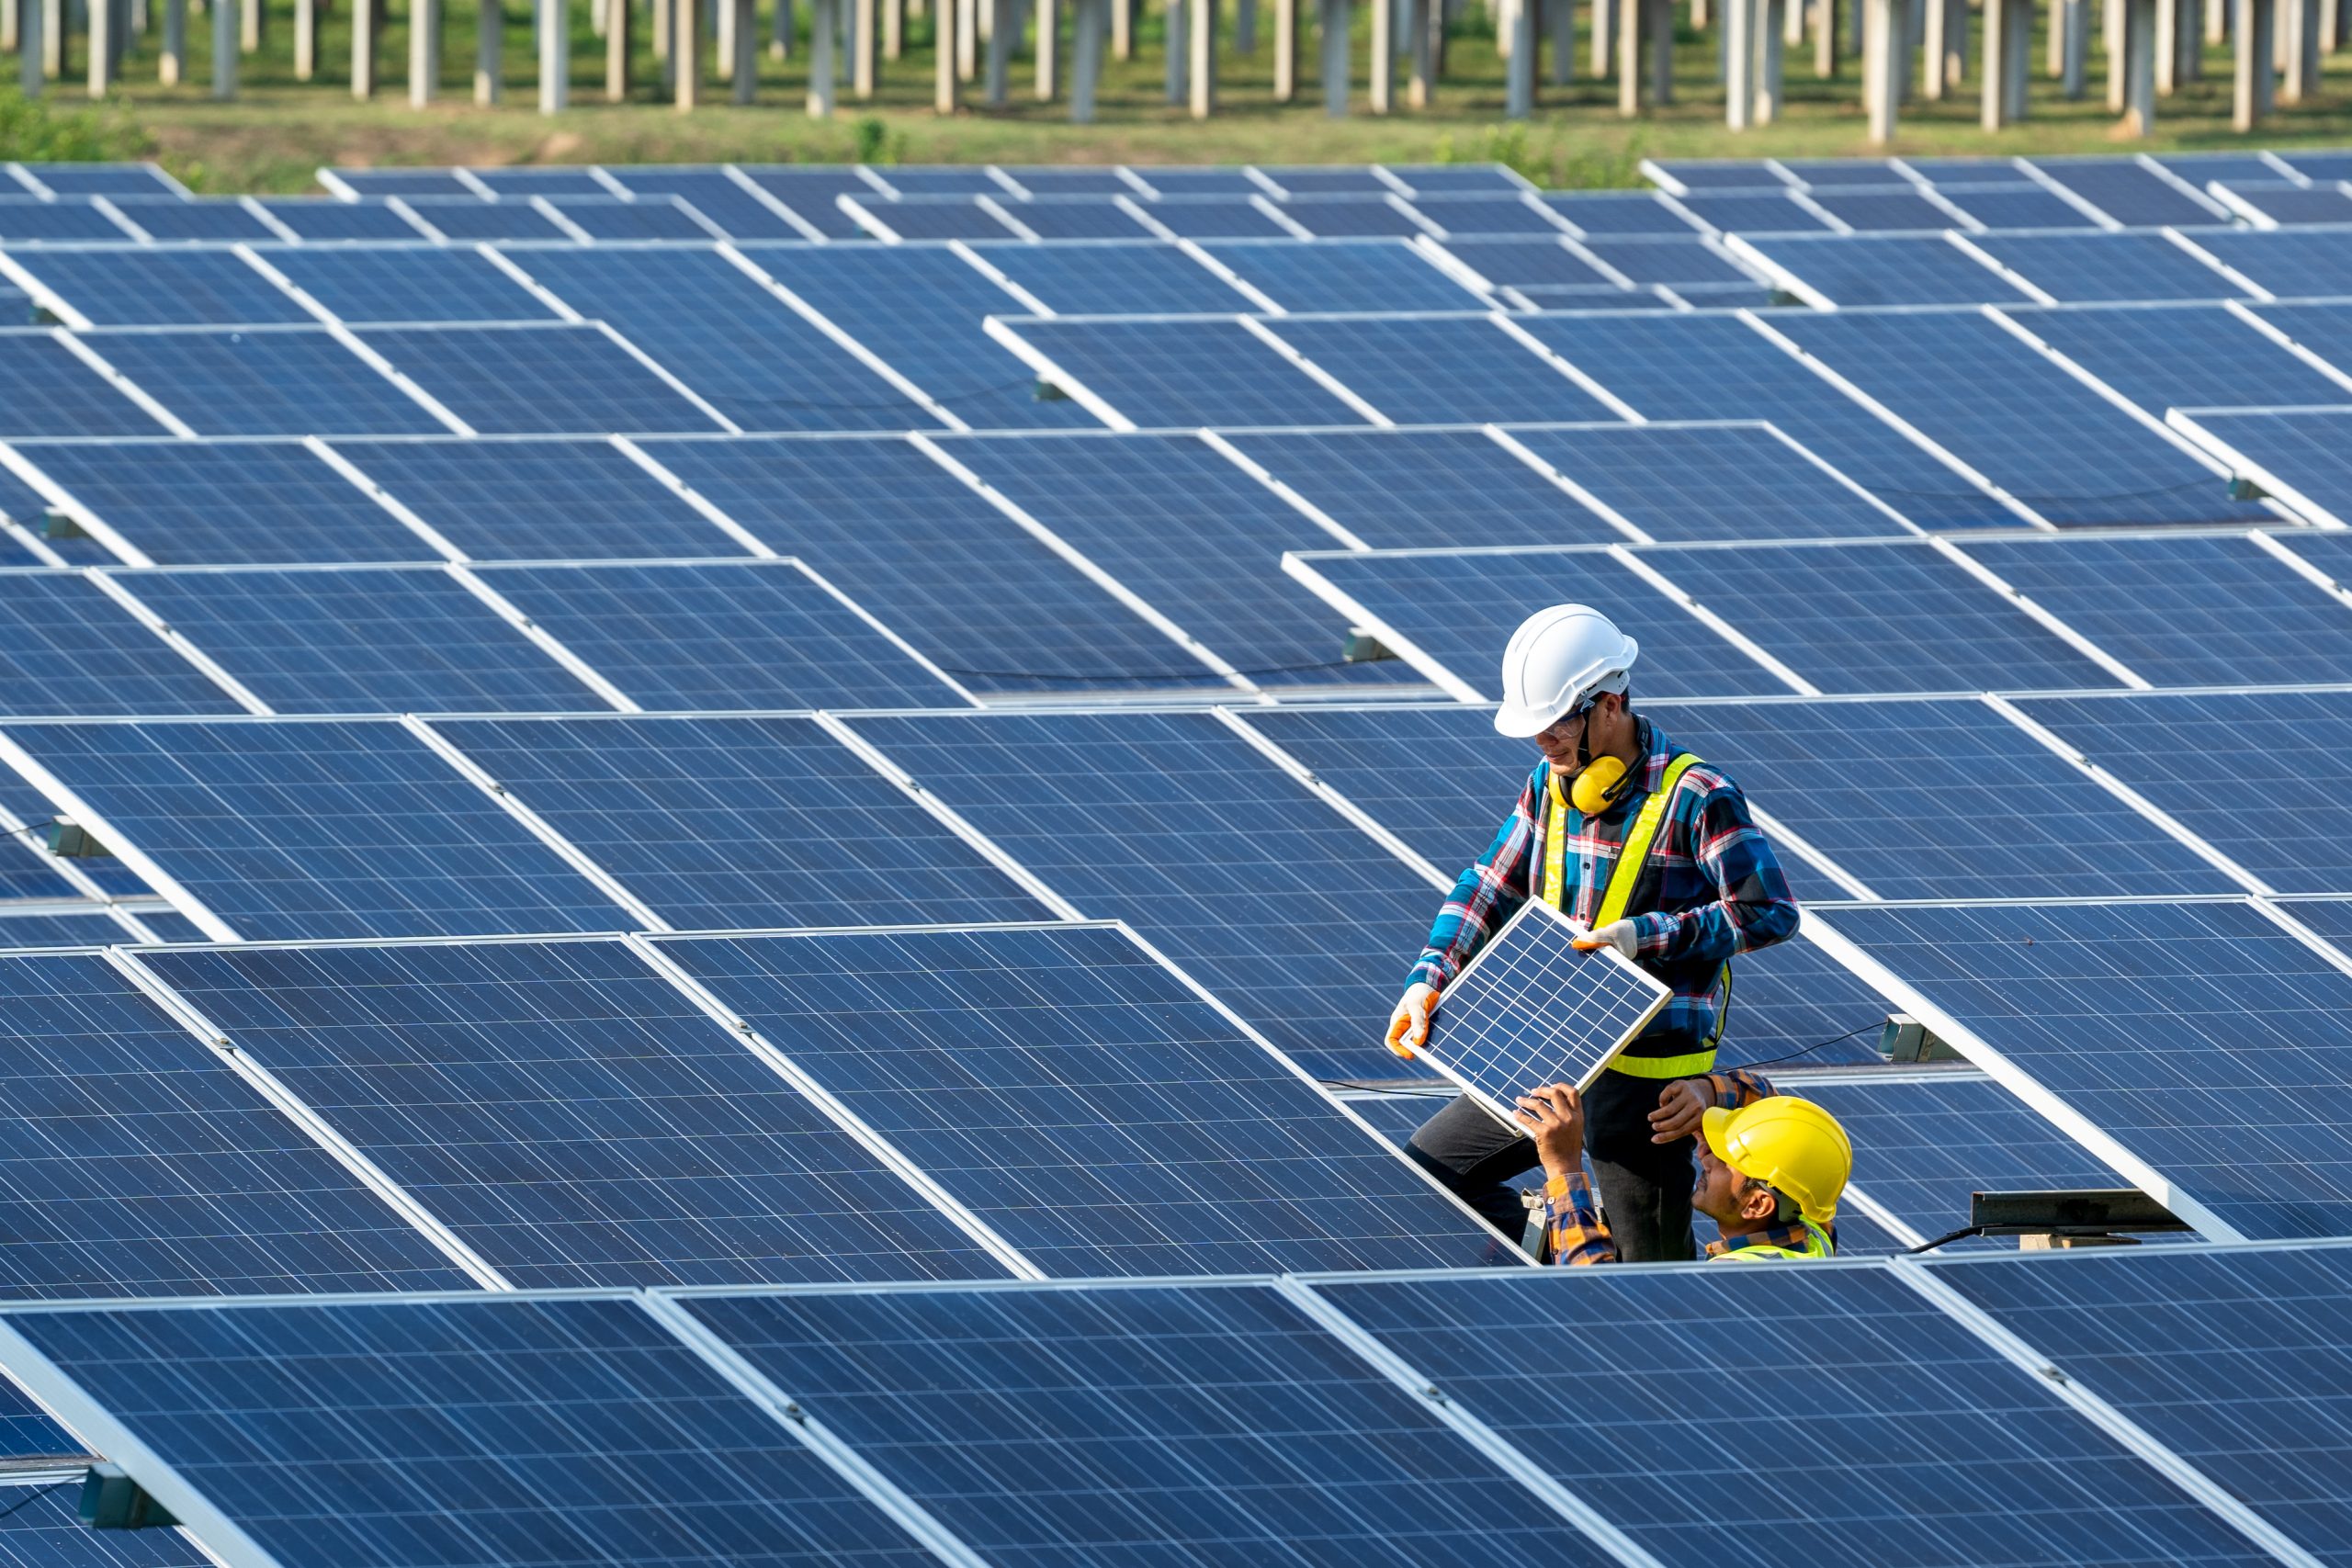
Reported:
(1618, 934)
(1680, 1106)
(1409, 1026)
(1554, 1117)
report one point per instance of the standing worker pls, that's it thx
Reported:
(1652, 851)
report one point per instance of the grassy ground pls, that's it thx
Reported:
(278, 131)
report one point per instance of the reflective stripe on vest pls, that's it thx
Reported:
(1816, 1245)
(1632, 856)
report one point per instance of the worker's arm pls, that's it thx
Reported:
(1573, 1232)
(1484, 895)
(1682, 1103)
(1753, 906)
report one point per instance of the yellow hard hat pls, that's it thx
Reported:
(1790, 1144)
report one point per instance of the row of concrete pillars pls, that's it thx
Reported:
(1909, 49)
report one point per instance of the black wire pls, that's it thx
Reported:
(1389, 1089)
(1822, 1045)
(1964, 1231)
(37, 1496)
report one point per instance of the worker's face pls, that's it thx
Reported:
(1726, 1196)
(1559, 743)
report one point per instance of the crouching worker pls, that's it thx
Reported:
(1770, 1168)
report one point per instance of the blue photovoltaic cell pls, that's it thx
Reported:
(1923, 1145)
(378, 184)
(1717, 174)
(28, 221)
(1194, 536)
(105, 179)
(139, 1165)
(1068, 181)
(933, 560)
(537, 500)
(1368, 275)
(1530, 1010)
(1718, 482)
(550, 181)
(735, 823)
(1893, 617)
(320, 830)
(2319, 165)
(1668, 259)
(721, 635)
(1938, 800)
(2021, 421)
(1350, 218)
(362, 640)
(2296, 205)
(810, 193)
(65, 648)
(573, 1117)
(1875, 1428)
(2134, 194)
(1175, 180)
(2198, 168)
(470, 220)
(933, 218)
(1686, 367)
(920, 309)
(1399, 489)
(1487, 215)
(1215, 218)
(169, 926)
(1460, 608)
(2292, 831)
(1077, 219)
(2238, 1361)
(717, 196)
(601, 1436)
(43, 1528)
(61, 930)
(1898, 269)
(1437, 370)
(2095, 268)
(1184, 372)
(1883, 211)
(2206, 1039)
(1616, 212)
(938, 180)
(2186, 611)
(1113, 280)
(2018, 207)
(1139, 1426)
(1524, 262)
(27, 870)
(199, 503)
(410, 283)
(2323, 330)
(171, 219)
(2184, 356)
(1085, 1103)
(1944, 172)
(2289, 262)
(1754, 212)
(1326, 180)
(1298, 919)
(1605, 297)
(1876, 175)
(538, 380)
(2307, 453)
(46, 391)
(144, 287)
(318, 220)
(655, 218)
(1442, 178)
(284, 381)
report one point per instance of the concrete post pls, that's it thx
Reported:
(2250, 78)
(621, 30)
(1739, 62)
(51, 36)
(721, 19)
(1333, 18)
(1824, 39)
(1380, 79)
(1771, 70)
(1286, 49)
(2111, 20)
(1199, 37)
(2299, 47)
(1176, 67)
(1245, 26)
(249, 21)
(32, 43)
(824, 56)
(424, 52)
(1004, 36)
(1123, 29)
(8, 25)
(1092, 22)
(225, 22)
(944, 50)
(2072, 27)
(1519, 71)
(363, 48)
(780, 25)
(1657, 20)
(1049, 49)
(2140, 73)
(863, 37)
(967, 38)
(101, 51)
(555, 56)
(2008, 60)
(1882, 65)
(171, 61)
(744, 73)
(1421, 58)
(685, 53)
(894, 29)
(1604, 47)
(1630, 20)
(1560, 25)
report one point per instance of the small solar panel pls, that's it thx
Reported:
(1061, 179)
(1617, 213)
(1890, 210)
(529, 380)
(1685, 482)
(93, 929)
(1397, 489)
(2184, 356)
(810, 191)
(1174, 372)
(529, 181)
(318, 830)
(2320, 165)
(467, 219)
(1438, 369)
(1887, 269)
(2133, 194)
(40, 1526)
(2293, 204)
(734, 823)
(320, 220)
(408, 283)
(279, 382)
(716, 194)
(1754, 212)
(942, 180)
(1177, 180)
(142, 1166)
(1445, 178)
(1056, 217)
(171, 217)
(653, 219)
(1137, 279)
(1528, 1010)
(1365, 275)
(1087, 1104)
(46, 391)
(1667, 258)
(1153, 1425)
(1963, 171)
(74, 177)
(1347, 217)
(2289, 262)
(1525, 262)
(572, 1116)
(2305, 454)
(149, 287)
(230, 503)
(1337, 179)
(1219, 218)
(1833, 174)
(2018, 207)
(66, 647)
(2093, 268)
(617, 1440)
(379, 184)
(2323, 330)
(28, 220)
(929, 217)
(1486, 214)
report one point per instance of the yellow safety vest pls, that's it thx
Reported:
(1631, 855)
(1816, 1245)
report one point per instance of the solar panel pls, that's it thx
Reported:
(2317, 165)
(719, 634)
(1217, 217)
(1065, 180)
(2198, 168)
(1941, 172)
(171, 218)
(320, 220)
(2293, 205)
(1616, 212)
(715, 194)
(1344, 216)
(1305, 924)
(529, 380)
(540, 181)
(1716, 174)
(2305, 456)
(2093, 268)
(571, 1115)
(65, 648)
(276, 381)
(1937, 800)
(1754, 212)
(317, 830)
(1438, 369)
(939, 216)
(608, 218)
(43, 1528)
(31, 221)
(468, 219)
(143, 287)
(1487, 215)
(1890, 210)
(2203, 1039)
(2289, 262)
(189, 502)
(616, 1438)
(1876, 1428)
(1679, 482)
(46, 391)
(2021, 421)
(733, 823)
(943, 180)
(2183, 356)
(74, 177)
(2325, 330)
(410, 283)
(1526, 262)
(90, 930)
(920, 309)
(1683, 366)
(1606, 297)
(378, 184)
(810, 193)
(1182, 371)
(1171, 180)
(2289, 832)
(928, 556)
(142, 1166)
(1887, 270)
(1189, 532)
(1147, 1424)
(2018, 207)
(1442, 178)
(27, 871)
(1079, 218)
(1831, 174)
(2129, 192)
(1345, 275)
(1316, 179)
(1395, 489)
(1110, 280)
(1667, 258)
(537, 500)
(2186, 610)
(1085, 1103)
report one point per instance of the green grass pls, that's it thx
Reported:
(279, 131)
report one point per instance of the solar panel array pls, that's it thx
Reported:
(757, 823)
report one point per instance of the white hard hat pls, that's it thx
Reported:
(1559, 660)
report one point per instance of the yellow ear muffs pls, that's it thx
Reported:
(1598, 785)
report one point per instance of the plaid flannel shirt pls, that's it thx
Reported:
(1711, 888)
(1575, 1236)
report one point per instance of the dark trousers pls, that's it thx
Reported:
(1644, 1187)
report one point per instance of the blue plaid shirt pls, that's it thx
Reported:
(1711, 888)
